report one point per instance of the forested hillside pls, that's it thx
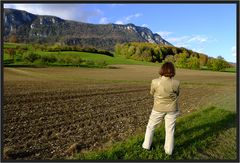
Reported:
(181, 57)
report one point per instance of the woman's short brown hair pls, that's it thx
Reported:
(167, 70)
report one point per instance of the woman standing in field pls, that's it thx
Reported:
(166, 92)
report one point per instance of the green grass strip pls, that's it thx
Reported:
(193, 135)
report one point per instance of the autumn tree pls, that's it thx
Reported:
(11, 52)
(12, 39)
(203, 59)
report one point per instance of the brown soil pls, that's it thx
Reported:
(44, 113)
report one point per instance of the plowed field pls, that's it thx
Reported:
(47, 110)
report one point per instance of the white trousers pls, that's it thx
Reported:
(155, 118)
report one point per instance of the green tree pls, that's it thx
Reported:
(210, 63)
(220, 64)
(187, 53)
(217, 64)
(169, 58)
(138, 53)
(194, 54)
(131, 51)
(117, 49)
(174, 50)
(164, 51)
(193, 63)
(181, 60)
(146, 55)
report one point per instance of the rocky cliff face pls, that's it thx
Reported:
(32, 28)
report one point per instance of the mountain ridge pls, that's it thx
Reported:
(32, 28)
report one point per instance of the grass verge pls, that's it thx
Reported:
(195, 139)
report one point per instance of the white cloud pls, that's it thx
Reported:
(194, 42)
(199, 50)
(144, 25)
(181, 45)
(198, 38)
(103, 20)
(164, 33)
(181, 39)
(118, 22)
(234, 51)
(76, 12)
(186, 40)
(128, 19)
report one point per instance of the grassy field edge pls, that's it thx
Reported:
(196, 138)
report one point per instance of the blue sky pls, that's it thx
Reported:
(205, 28)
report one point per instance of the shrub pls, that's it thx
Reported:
(91, 63)
(60, 60)
(48, 58)
(68, 59)
(11, 52)
(30, 56)
(8, 61)
(101, 63)
(76, 60)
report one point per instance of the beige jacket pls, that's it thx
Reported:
(166, 92)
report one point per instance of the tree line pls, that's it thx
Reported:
(20, 49)
(32, 54)
(181, 57)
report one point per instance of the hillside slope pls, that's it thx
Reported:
(27, 27)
